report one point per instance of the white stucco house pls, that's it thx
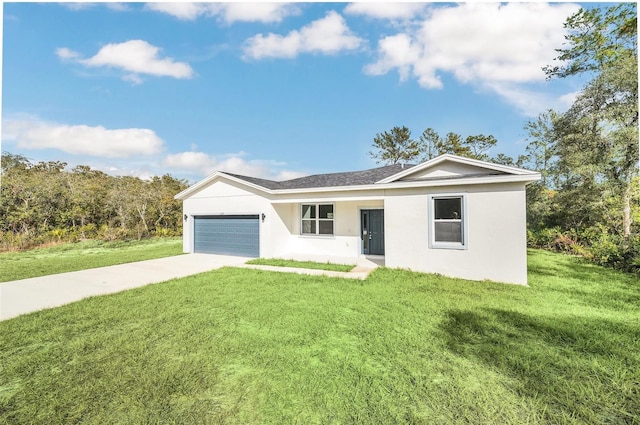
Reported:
(451, 215)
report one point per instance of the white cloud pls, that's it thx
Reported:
(134, 56)
(491, 45)
(78, 5)
(186, 161)
(398, 51)
(185, 11)
(203, 164)
(228, 12)
(530, 101)
(32, 133)
(118, 7)
(328, 35)
(67, 54)
(257, 12)
(385, 10)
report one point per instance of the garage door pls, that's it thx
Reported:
(227, 234)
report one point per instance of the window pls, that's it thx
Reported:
(447, 221)
(317, 219)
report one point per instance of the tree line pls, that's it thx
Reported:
(396, 146)
(588, 200)
(42, 203)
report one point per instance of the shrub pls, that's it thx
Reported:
(613, 250)
(596, 244)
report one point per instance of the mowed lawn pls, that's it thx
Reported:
(71, 257)
(243, 346)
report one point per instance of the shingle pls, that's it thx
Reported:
(352, 178)
(269, 184)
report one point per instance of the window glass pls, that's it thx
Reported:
(326, 211)
(308, 211)
(448, 222)
(448, 208)
(448, 231)
(309, 227)
(326, 227)
(317, 219)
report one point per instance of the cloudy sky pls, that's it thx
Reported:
(269, 90)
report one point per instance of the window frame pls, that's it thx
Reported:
(433, 244)
(317, 220)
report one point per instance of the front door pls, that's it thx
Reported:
(372, 232)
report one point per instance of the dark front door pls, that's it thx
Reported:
(373, 232)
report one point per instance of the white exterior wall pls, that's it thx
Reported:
(495, 223)
(227, 197)
(345, 242)
(496, 231)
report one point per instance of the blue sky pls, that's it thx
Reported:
(269, 90)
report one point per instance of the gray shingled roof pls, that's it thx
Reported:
(352, 178)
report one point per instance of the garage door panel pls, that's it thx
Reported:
(228, 235)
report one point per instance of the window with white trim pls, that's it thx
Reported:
(447, 225)
(317, 219)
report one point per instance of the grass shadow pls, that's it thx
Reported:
(541, 354)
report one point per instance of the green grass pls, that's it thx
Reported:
(301, 264)
(83, 255)
(241, 346)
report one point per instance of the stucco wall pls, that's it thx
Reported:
(345, 242)
(227, 197)
(496, 230)
(496, 227)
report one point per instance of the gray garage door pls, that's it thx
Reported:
(227, 234)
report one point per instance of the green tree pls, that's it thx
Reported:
(395, 146)
(431, 144)
(504, 159)
(597, 138)
(475, 147)
(167, 213)
(596, 40)
(453, 144)
(43, 201)
(541, 144)
(478, 146)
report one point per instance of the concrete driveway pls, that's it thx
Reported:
(29, 295)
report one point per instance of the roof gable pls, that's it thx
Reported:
(451, 167)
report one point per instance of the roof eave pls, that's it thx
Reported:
(460, 160)
(525, 178)
(490, 179)
(210, 178)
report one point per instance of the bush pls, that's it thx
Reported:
(596, 244)
(554, 239)
(543, 238)
(612, 250)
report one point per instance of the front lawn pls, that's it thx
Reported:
(277, 262)
(247, 346)
(71, 257)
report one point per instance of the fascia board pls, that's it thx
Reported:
(459, 160)
(314, 198)
(212, 177)
(196, 186)
(529, 177)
